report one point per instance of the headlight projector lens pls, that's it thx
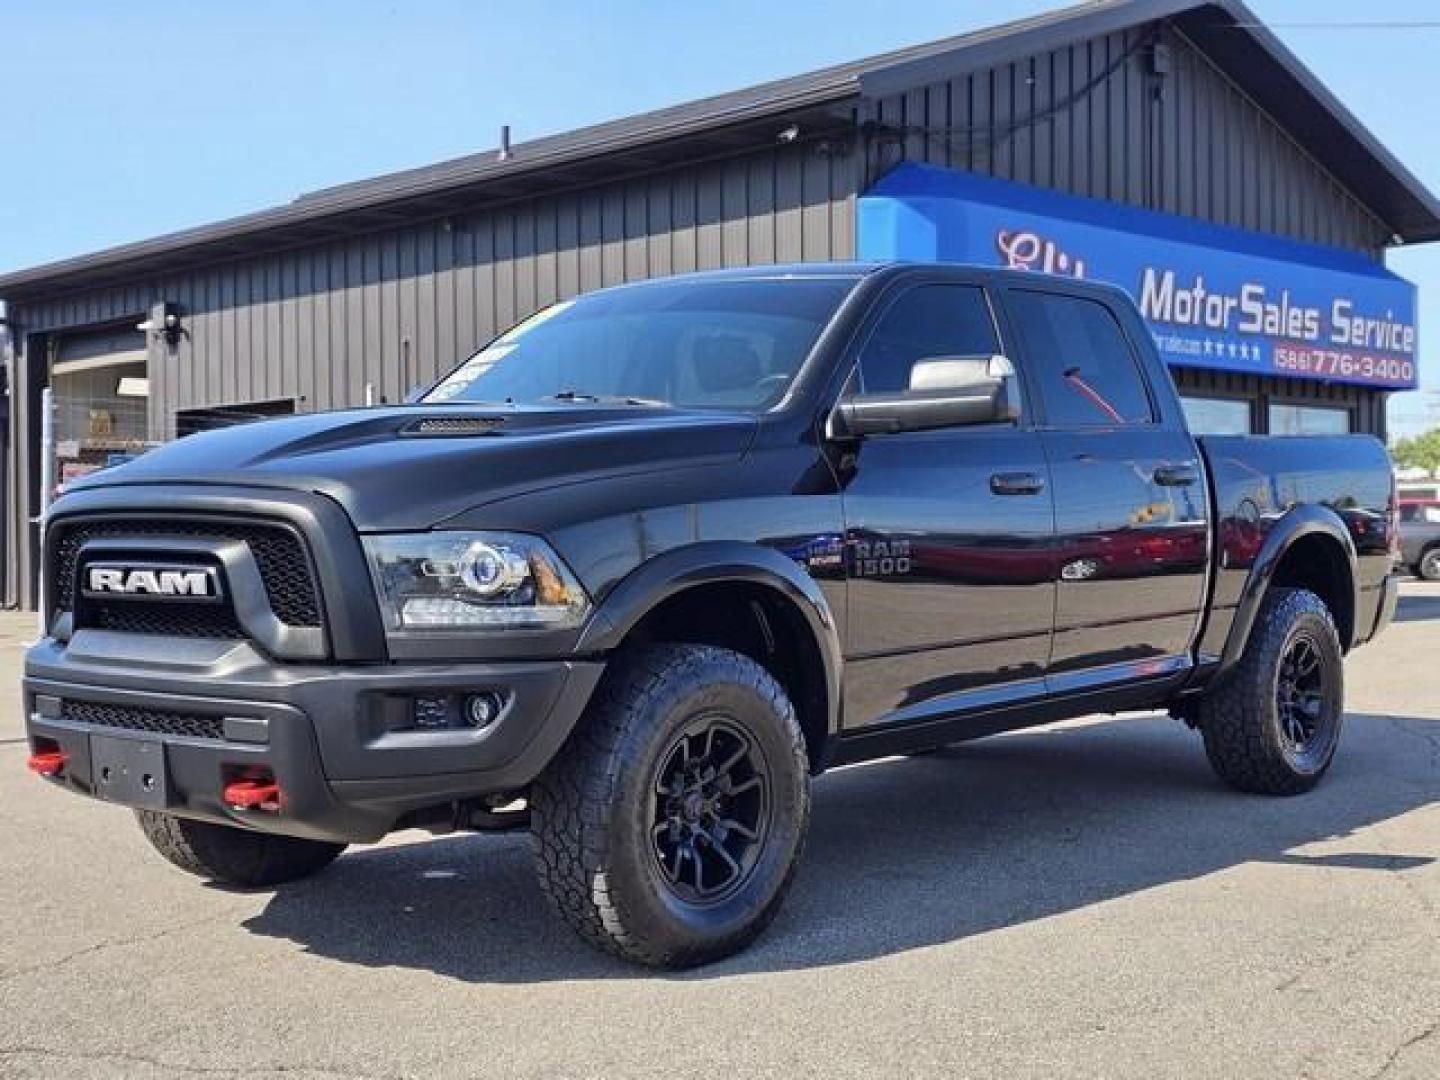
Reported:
(488, 572)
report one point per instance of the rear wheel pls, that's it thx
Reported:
(1429, 567)
(1272, 723)
(234, 856)
(668, 828)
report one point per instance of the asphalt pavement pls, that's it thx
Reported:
(1080, 901)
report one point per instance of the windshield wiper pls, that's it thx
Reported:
(605, 399)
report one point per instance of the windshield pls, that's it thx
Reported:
(695, 344)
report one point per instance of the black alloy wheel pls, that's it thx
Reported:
(712, 810)
(1300, 695)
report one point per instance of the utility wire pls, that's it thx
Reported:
(956, 137)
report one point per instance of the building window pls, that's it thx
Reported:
(1308, 420)
(1217, 416)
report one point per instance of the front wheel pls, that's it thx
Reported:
(668, 828)
(1272, 723)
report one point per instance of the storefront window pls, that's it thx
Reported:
(1217, 416)
(1308, 420)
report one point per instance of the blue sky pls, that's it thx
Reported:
(128, 120)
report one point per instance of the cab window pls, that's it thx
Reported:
(1083, 365)
(926, 323)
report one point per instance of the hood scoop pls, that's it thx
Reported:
(443, 426)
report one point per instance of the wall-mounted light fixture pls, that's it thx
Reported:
(164, 322)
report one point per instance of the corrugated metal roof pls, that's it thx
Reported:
(1225, 29)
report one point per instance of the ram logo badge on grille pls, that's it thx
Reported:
(114, 580)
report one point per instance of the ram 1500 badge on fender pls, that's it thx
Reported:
(642, 567)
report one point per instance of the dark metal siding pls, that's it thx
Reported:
(1091, 119)
(395, 308)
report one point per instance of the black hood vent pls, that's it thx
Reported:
(440, 426)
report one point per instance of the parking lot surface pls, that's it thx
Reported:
(1080, 901)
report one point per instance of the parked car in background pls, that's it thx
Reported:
(1420, 538)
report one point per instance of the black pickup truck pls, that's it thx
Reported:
(634, 573)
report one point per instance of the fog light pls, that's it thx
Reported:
(482, 710)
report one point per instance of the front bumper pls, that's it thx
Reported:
(323, 731)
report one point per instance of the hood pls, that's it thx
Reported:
(414, 467)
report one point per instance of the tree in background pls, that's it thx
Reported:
(1420, 452)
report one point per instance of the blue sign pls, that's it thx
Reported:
(1215, 297)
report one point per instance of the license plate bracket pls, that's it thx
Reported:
(130, 771)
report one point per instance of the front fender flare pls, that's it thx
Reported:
(709, 563)
(1305, 520)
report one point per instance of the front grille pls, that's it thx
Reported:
(279, 556)
(175, 619)
(131, 718)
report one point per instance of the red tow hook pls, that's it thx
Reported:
(251, 793)
(48, 762)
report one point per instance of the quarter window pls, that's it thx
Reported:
(1085, 369)
(926, 323)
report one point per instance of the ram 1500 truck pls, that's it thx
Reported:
(636, 571)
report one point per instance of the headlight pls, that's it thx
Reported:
(473, 581)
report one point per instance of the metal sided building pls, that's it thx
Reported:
(1177, 148)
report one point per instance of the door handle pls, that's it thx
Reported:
(1176, 475)
(1017, 483)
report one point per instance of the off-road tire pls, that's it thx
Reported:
(234, 856)
(593, 810)
(1241, 718)
(1428, 567)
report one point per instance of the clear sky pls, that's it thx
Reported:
(125, 120)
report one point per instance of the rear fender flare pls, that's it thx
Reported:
(1301, 521)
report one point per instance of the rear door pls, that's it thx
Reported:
(948, 532)
(1131, 509)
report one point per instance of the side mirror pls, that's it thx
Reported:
(948, 391)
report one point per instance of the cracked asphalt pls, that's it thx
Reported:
(1081, 901)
